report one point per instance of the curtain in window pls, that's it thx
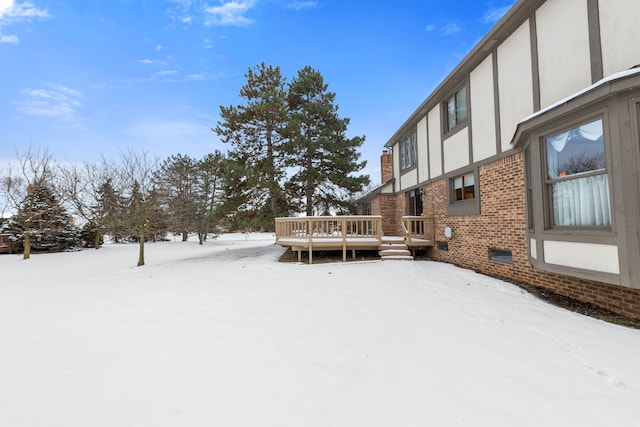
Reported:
(582, 202)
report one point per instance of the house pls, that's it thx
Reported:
(526, 155)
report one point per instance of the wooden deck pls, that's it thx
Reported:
(347, 233)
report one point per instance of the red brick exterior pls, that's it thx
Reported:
(502, 225)
(386, 166)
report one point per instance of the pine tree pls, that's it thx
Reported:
(45, 222)
(210, 170)
(255, 131)
(112, 204)
(325, 160)
(177, 180)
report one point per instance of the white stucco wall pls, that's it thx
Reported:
(620, 34)
(588, 256)
(435, 143)
(456, 150)
(409, 179)
(423, 149)
(483, 120)
(564, 61)
(515, 82)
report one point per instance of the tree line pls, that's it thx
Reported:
(135, 198)
(288, 154)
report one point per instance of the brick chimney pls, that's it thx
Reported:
(386, 166)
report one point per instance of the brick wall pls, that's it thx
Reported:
(502, 225)
(386, 166)
(382, 206)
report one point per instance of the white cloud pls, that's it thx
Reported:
(230, 13)
(9, 39)
(430, 27)
(12, 13)
(299, 5)
(493, 15)
(147, 61)
(166, 72)
(54, 101)
(450, 28)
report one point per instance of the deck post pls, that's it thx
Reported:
(343, 229)
(310, 232)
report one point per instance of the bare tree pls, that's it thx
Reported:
(85, 187)
(143, 216)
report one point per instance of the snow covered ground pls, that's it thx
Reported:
(224, 335)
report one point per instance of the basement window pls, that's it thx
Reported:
(501, 255)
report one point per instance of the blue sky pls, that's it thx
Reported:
(86, 79)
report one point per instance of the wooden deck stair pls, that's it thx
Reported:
(393, 248)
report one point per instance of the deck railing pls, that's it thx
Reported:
(418, 230)
(329, 232)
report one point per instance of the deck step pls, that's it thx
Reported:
(392, 252)
(393, 248)
(397, 258)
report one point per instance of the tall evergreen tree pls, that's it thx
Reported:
(210, 171)
(177, 180)
(325, 160)
(255, 131)
(113, 206)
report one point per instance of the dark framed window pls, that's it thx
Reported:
(464, 187)
(408, 151)
(464, 194)
(456, 109)
(577, 181)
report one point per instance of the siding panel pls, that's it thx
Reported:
(620, 32)
(435, 143)
(482, 112)
(515, 82)
(563, 49)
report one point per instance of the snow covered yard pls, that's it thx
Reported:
(224, 335)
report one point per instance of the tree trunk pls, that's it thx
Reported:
(96, 242)
(309, 186)
(185, 236)
(141, 254)
(27, 245)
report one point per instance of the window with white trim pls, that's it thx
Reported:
(576, 177)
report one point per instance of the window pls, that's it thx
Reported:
(577, 180)
(408, 154)
(456, 109)
(463, 194)
(463, 187)
(442, 246)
